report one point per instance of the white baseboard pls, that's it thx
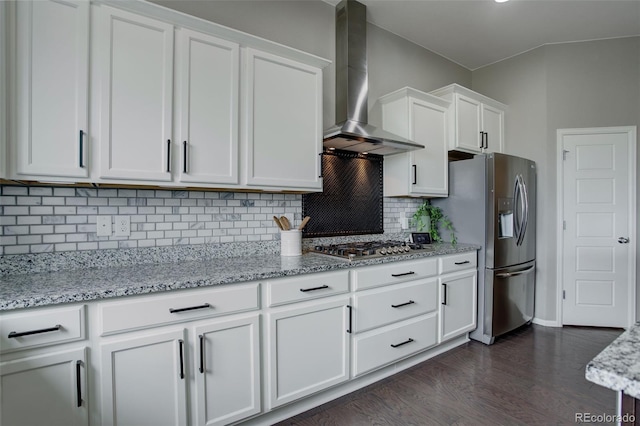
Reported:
(547, 323)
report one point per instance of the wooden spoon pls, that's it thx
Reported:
(304, 223)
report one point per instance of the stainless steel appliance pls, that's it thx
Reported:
(370, 249)
(352, 131)
(492, 203)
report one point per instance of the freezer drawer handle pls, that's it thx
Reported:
(462, 263)
(190, 308)
(515, 273)
(410, 302)
(30, 332)
(402, 343)
(403, 274)
(322, 287)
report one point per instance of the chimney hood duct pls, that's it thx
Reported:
(353, 133)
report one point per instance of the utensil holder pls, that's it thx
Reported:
(291, 243)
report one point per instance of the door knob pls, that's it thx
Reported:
(623, 240)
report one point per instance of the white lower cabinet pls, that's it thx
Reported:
(308, 349)
(47, 389)
(227, 370)
(144, 379)
(458, 303)
(388, 344)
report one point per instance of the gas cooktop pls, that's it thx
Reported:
(371, 249)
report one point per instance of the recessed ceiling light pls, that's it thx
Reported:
(501, 1)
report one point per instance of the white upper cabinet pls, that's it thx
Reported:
(476, 122)
(283, 127)
(207, 85)
(419, 117)
(136, 55)
(50, 128)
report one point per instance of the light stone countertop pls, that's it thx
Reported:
(28, 290)
(617, 367)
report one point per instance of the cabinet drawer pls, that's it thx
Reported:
(383, 306)
(41, 328)
(390, 273)
(378, 348)
(305, 287)
(151, 311)
(458, 262)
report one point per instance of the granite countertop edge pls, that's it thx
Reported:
(617, 367)
(55, 288)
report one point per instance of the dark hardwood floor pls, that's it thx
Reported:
(533, 376)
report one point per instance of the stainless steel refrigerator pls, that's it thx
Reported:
(492, 203)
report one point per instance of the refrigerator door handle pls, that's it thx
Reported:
(517, 224)
(515, 273)
(525, 216)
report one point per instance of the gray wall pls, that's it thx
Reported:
(587, 84)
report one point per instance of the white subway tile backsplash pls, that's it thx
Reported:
(48, 219)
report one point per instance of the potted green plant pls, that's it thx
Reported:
(429, 218)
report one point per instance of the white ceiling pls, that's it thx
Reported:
(475, 33)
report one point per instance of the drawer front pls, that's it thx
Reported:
(387, 305)
(391, 273)
(458, 262)
(306, 287)
(41, 328)
(152, 311)
(379, 348)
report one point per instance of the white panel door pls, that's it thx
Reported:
(430, 165)
(227, 370)
(144, 380)
(52, 54)
(468, 124)
(283, 122)
(45, 390)
(598, 180)
(136, 96)
(208, 83)
(493, 126)
(308, 350)
(458, 295)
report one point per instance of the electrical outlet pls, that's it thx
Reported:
(123, 226)
(103, 226)
(404, 222)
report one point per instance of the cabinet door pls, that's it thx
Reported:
(44, 390)
(52, 55)
(144, 380)
(493, 125)
(136, 96)
(457, 304)
(468, 124)
(308, 350)
(228, 370)
(429, 165)
(283, 122)
(208, 82)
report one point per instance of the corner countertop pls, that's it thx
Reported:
(51, 288)
(617, 367)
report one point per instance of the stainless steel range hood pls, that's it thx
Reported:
(353, 133)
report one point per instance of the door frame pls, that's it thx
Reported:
(631, 132)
